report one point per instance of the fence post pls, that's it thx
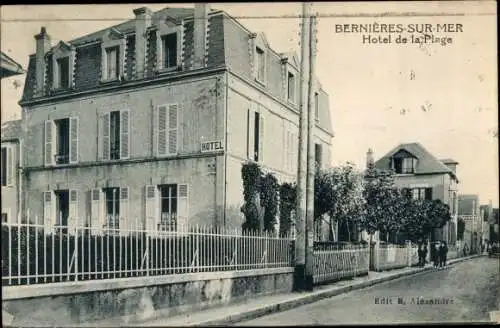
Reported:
(409, 253)
(76, 248)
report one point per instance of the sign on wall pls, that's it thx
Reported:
(211, 146)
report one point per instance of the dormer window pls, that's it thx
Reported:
(112, 55)
(260, 61)
(112, 63)
(169, 45)
(62, 81)
(404, 165)
(62, 66)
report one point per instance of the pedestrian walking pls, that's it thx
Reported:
(435, 254)
(424, 254)
(421, 258)
(443, 253)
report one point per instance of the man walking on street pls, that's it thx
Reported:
(443, 252)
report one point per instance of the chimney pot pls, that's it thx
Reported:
(201, 11)
(142, 23)
(42, 47)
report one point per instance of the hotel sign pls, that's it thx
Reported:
(211, 146)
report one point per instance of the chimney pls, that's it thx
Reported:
(42, 47)
(200, 34)
(142, 23)
(370, 163)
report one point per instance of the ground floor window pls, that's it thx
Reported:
(168, 206)
(112, 207)
(62, 209)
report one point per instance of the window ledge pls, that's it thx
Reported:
(168, 70)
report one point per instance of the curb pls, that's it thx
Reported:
(313, 297)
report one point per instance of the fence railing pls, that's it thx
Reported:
(30, 255)
(335, 262)
(389, 256)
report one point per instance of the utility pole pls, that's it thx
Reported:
(310, 158)
(300, 210)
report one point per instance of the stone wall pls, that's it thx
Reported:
(128, 300)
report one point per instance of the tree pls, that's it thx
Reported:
(268, 190)
(338, 193)
(460, 229)
(251, 175)
(379, 194)
(288, 195)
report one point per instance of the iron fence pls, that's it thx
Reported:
(33, 255)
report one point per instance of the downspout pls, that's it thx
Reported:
(24, 123)
(226, 88)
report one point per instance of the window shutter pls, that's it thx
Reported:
(10, 167)
(73, 139)
(49, 142)
(124, 134)
(261, 138)
(49, 211)
(173, 124)
(161, 144)
(96, 210)
(151, 212)
(428, 193)
(124, 210)
(250, 134)
(182, 205)
(73, 218)
(105, 131)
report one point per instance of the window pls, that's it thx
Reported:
(7, 167)
(260, 64)
(112, 70)
(422, 193)
(168, 207)
(318, 152)
(62, 208)
(169, 46)
(256, 137)
(112, 207)
(63, 73)
(62, 141)
(115, 137)
(404, 165)
(167, 130)
(291, 87)
(407, 192)
(316, 106)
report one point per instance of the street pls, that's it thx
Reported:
(466, 291)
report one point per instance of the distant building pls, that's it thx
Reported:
(149, 121)
(423, 176)
(11, 174)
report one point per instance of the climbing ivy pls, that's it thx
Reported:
(269, 189)
(251, 175)
(288, 196)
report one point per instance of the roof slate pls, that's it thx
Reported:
(426, 164)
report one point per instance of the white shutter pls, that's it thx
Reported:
(261, 138)
(161, 131)
(105, 139)
(10, 167)
(173, 123)
(182, 205)
(73, 139)
(49, 142)
(96, 210)
(152, 206)
(124, 210)
(49, 211)
(73, 218)
(124, 134)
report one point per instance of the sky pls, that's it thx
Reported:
(381, 95)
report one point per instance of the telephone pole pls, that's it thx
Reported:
(300, 210)
(310, 158)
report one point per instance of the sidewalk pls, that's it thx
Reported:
(264, 305)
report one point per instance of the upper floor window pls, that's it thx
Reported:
(7, 166)
(169, 46)
(318, 154)
(422, 193)
(291, 86)
(260, 63)
(63, 73)
(112, 55)
(112, 63)
(316, 106)
(115, 136)
(255, 135)
(404, 165)
(167, 120)
(61, 141)
(62, 66)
